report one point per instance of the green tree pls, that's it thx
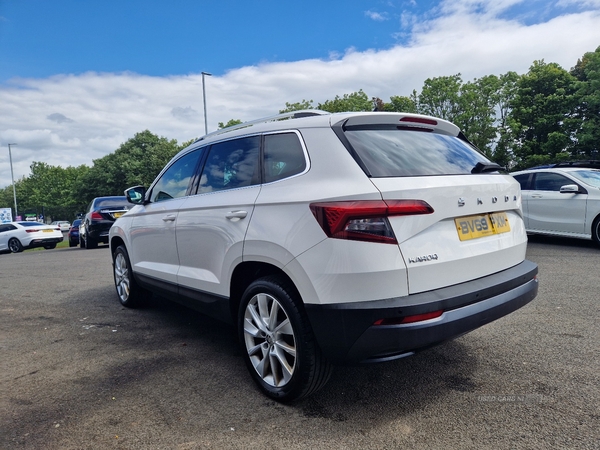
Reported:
(399, 103)
(298, 106)
(231, 123)
(587, 111)
(439, 97)
(475, 115)
(542, 113)
(356, 101)
(136, 162)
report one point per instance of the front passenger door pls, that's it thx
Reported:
(154, 247)
(212, 224)
(551, 211)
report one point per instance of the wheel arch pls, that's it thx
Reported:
(114, 243)
(247, 272)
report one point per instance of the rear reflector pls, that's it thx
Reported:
(365, 220)
(409, 319)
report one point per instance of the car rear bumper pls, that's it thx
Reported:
(347, 332)
(99, 231)
(40, 242)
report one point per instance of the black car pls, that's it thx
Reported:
(73, 234)
(100, 215)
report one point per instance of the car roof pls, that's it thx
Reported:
(555, 169)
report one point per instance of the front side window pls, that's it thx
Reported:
(283, 155)
(230, 165)
(7, 227)
(393, 152)
(175, 181)
(547, 181)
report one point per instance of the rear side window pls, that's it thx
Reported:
(231, 164)
(393, 152)
(284, 156)
(523, 180)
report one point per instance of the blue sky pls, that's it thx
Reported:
(40, 38)
(79, 78)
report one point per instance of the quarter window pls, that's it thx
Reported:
(284, 156)
(231, 164)
(175, 181)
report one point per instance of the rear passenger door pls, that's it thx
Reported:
(212, 224)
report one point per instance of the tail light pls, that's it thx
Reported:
(365, 220)
(96, 216)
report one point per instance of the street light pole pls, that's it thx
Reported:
(204, 98)
(13, 180)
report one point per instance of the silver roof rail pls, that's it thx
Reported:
(287, 115)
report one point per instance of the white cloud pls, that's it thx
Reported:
(103, 110)
(376, 16)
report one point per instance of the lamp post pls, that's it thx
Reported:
(12, 177)
(204, 98)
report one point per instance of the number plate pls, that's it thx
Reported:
(481, 225)
(117, 215)
(47, 231)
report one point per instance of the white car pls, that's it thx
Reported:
(18, 236)
(562, 200)
(62, 224)
(329, 238)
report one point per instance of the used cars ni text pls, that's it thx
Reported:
(329, 238)
(563, 200)
(18, 236)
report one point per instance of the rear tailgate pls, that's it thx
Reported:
(458, 242)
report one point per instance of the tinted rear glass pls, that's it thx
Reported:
(392, 152)
(117, 202)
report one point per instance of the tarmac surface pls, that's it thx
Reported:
(79, 371)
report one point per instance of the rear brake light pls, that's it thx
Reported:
(419, 120)
(409, 319)
(365, 220)
(96, 216)
(29, 230)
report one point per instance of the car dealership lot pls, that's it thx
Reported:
(79, 371)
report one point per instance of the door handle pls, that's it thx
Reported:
(537, 196)
(169, 218)
(236, 215)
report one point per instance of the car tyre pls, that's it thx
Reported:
(277, 341)
(15, 245)
(596, 230)
(129, 292)
(49, 246)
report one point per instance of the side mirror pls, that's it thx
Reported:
(569, 189)
(136, 195)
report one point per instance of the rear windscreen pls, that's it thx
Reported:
(393, 152)
(111, 203)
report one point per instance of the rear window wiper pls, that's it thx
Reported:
(486, 167)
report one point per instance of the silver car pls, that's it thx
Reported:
(562, 200)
